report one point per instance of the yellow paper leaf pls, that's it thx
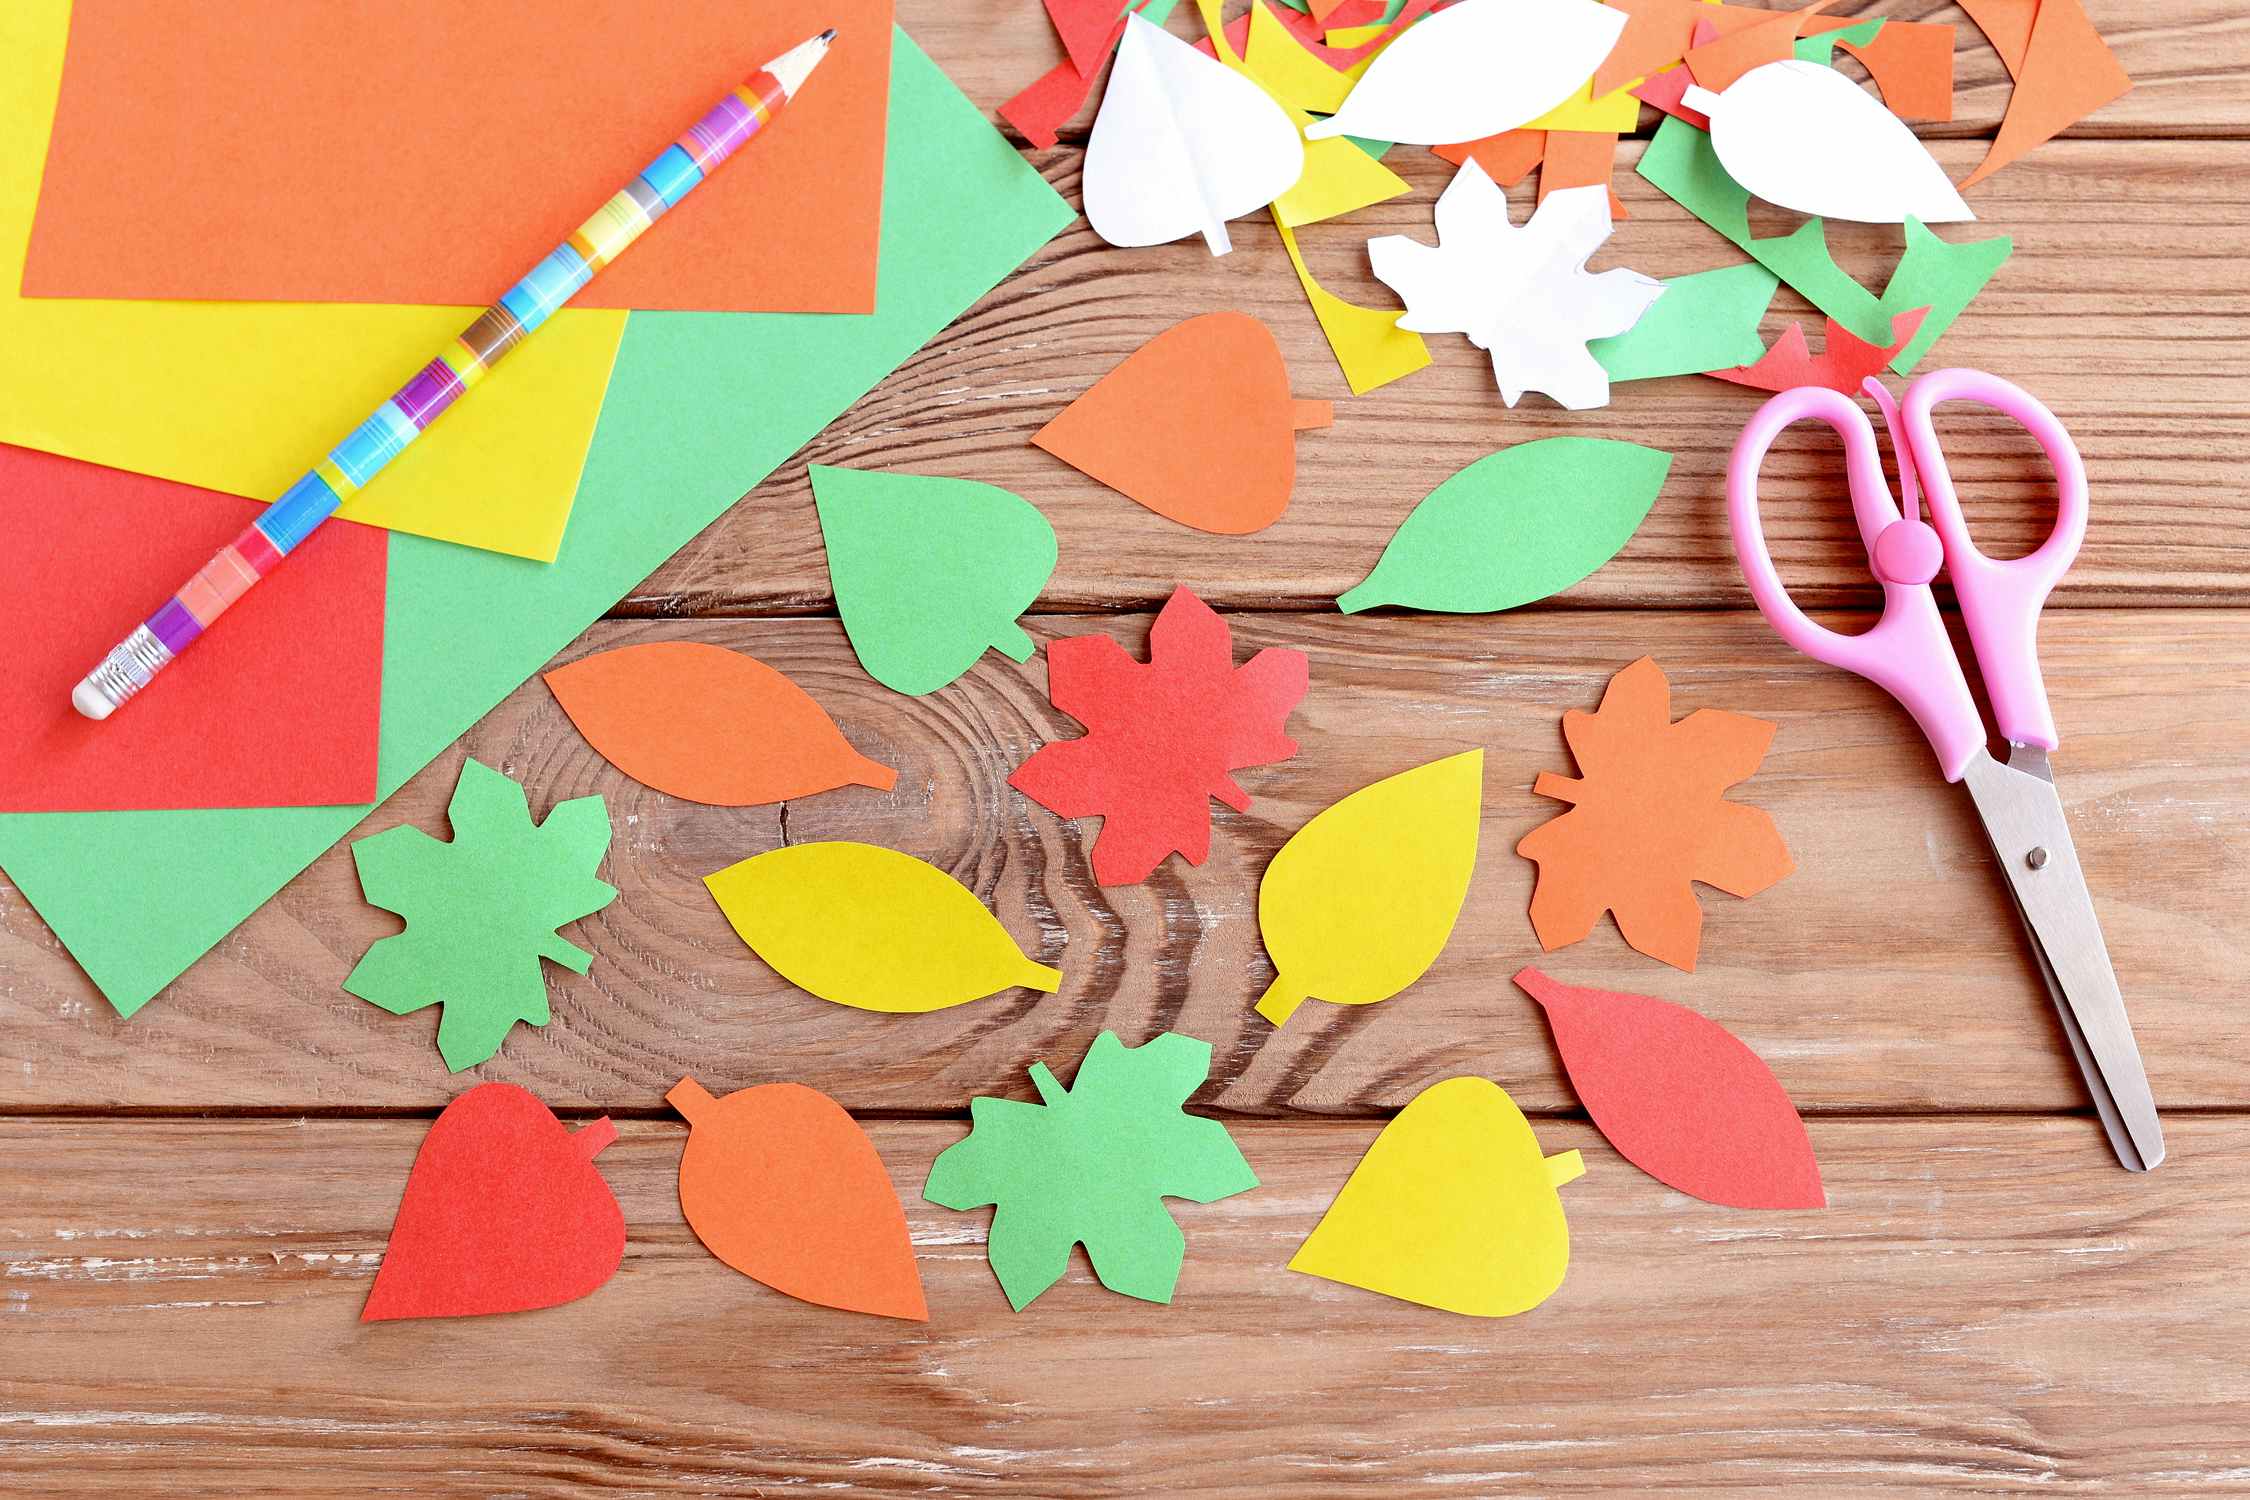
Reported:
(1358, 904)
(1453, 1207)
(872, 928)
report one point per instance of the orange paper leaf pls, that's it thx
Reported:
(708, 724)
(1649, 816)
(781, 1184)
(1196, 424)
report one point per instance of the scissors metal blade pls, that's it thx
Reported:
(2023, 819)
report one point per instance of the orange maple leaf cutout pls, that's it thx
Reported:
(1649, 816)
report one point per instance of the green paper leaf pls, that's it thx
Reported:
(481, 910)
(1707, 321)
(1933, 273)
(928, 572)
(1092, 1165)
(1515, 526)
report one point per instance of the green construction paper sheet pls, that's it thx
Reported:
(481, 910)
(1515, 526)
(701, 407)
(1931, 273)
(1707, 321)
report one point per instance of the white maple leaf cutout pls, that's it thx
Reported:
(1523, 294)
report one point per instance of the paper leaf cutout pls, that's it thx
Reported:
(1182, 144)
(1370, 347)
(1358, 904)
(1475, 69)
(711, 725)
(1453, 1207)
(1846, 364)
(1523, 294)
(2063, 70)
(1707, 321)
(1515, 526)
(1808, 138)
(1092, 1165)
(1197, 424)
(1681, 1097)
(1650, 815)
(481, 910)
(503, 1212)
(928, 572)
(783, 1185)
(1163, 736)
(871, 928)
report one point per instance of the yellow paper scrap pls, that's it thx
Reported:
(1617, 112)
(1290, 73)
(1369, 345)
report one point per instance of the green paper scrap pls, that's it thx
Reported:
(1932, 273)
(927, 572)
(481, 910)
(701, 407)
(1707, 321)
(1376, 149)
(1516, 526)
(1092, 1165)
(1820, 47)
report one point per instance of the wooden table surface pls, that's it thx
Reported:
(193, 1204)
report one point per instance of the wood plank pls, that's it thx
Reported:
(2131, 326)
(1987, 1306)
(2180, 85)
(1887, 974)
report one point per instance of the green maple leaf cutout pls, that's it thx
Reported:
(481, 910)
(1092, 1166)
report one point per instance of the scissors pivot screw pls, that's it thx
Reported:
(2037, 859)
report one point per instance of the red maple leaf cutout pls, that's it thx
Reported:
(1163, 737)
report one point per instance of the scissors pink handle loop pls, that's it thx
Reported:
(1907, 652)
(2001, 599)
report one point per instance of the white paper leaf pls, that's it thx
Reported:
(1183, 143)
(1809, 138)
(1523, 294)
(1476, 69)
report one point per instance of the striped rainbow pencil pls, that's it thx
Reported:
(137, 659)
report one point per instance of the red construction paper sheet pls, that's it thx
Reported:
(278, 705)
(432, 151)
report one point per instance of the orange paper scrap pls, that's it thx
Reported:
(427, 151)
(2063, 69)
(1911, 61)
(1719, 62)
(1507, 158)
(1579, 158)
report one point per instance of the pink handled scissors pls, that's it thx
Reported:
(1908, 654)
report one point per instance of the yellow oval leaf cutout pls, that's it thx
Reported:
(1358, 904)
(1453, 1207)
(872, 928)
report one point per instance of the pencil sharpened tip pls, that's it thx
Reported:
(829, 35)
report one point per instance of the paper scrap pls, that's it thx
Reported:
(1846, 364)
(1681, 1097)
(1507, 158)
(1296, 76)
(711, 725)
(1085, 28)
(1475, 69)
(1616, 113)
(503, 1212)
(1183, 144)
(928, 571)
(1358, 904)
(783, 1185)
(501, 126)
(481, 910)
(138, 897)
(1453, 1207)
(1197, 424)
(2063, 70)
(1707, 321)
(1524, 295)
(1092, 1165)
(1370, 347)
(1808, 138)
(90, 551)
(1910, 61)
(1579, 158)
(1719, 58)
(1515, 526)
(868, 927)
(1649, 815)
(1163, 737)
(1043, 106)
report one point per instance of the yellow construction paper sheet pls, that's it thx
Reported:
(246, 396)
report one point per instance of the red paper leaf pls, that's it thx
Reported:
(504, 1212)
(1162, 736)
(1844, 365)
(1681, 1097)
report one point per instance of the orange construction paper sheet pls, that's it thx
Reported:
(432, 151)
(2063, 69)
